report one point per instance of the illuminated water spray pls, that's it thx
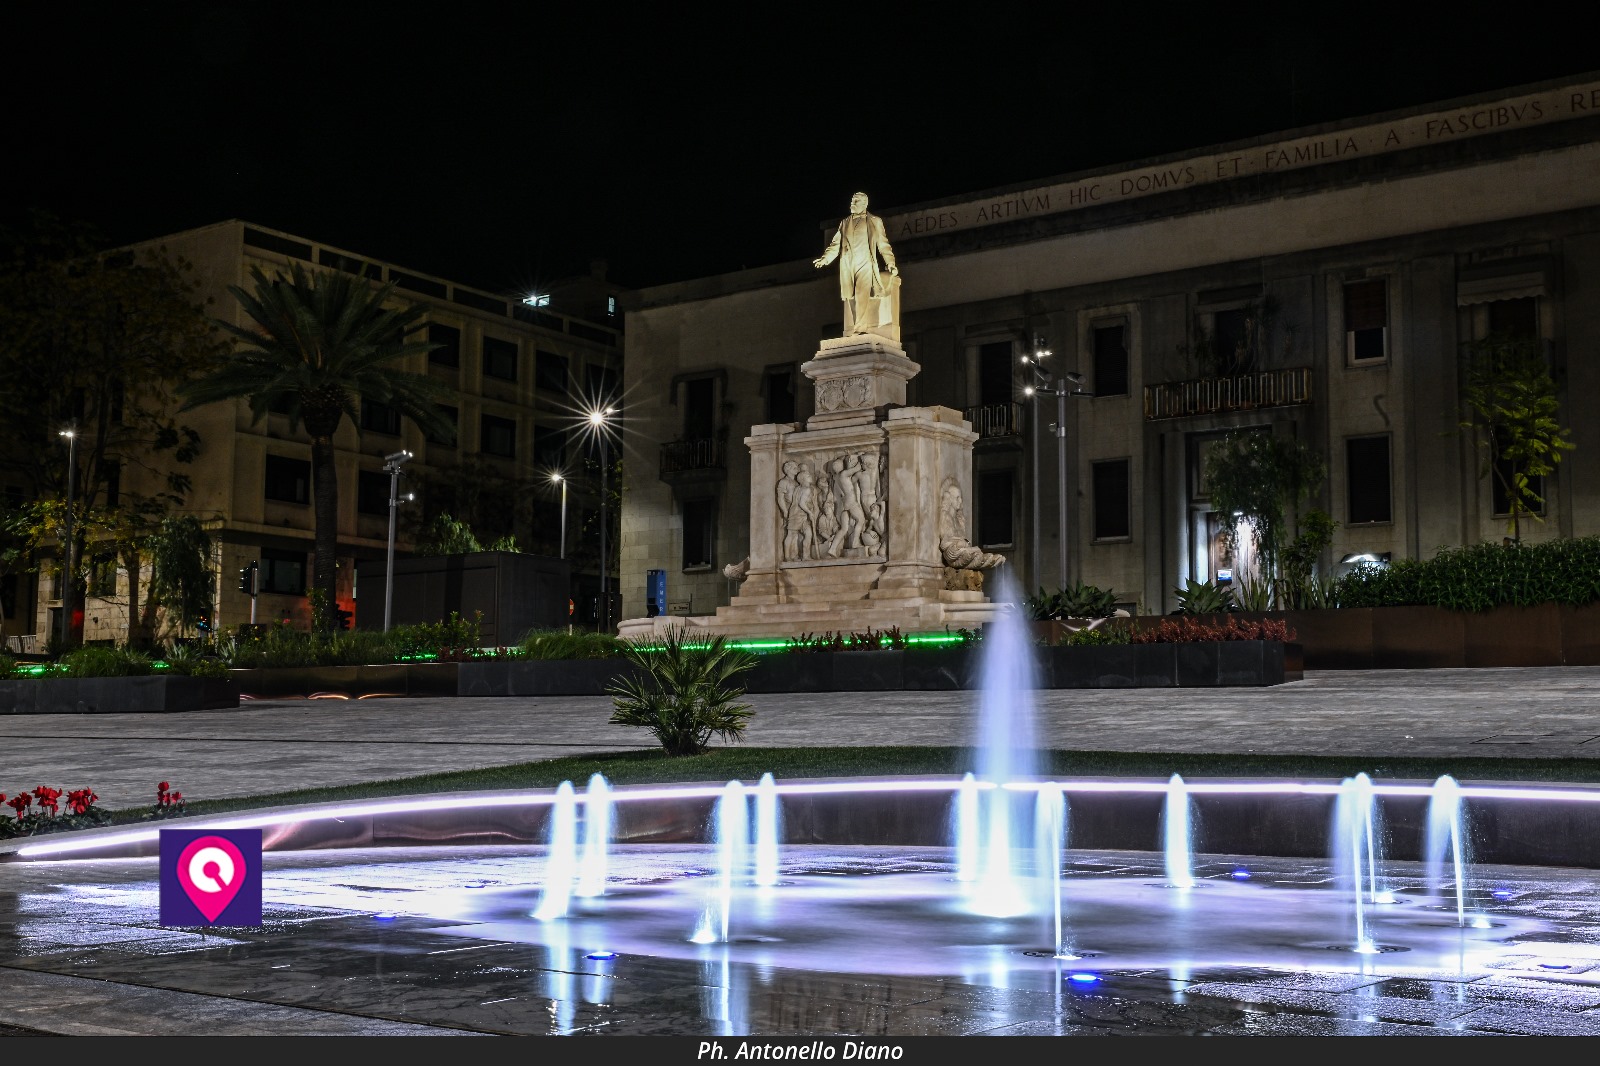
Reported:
(1446, 838)
(561, 862)
(769, 832)
(596, 838)
(1177, 835)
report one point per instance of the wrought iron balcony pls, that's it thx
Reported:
(995, 419)
(703, 457)
(1239, 392)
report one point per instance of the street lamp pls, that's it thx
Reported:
(600, 426)
(391, 466)
(558, 479)
(71, 433)
(1067, 383)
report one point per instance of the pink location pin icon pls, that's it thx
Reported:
(211, 869)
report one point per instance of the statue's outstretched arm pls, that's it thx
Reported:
(831, 254)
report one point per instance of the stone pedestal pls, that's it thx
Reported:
(845, 515)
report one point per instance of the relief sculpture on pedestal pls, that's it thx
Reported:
(957, 551)
(832, 506)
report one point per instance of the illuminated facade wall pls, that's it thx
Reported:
(518, 372)
(1355, 260)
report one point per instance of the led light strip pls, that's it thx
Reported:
(819, 788)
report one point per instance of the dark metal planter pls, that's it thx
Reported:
(392, 679)
(117, 695)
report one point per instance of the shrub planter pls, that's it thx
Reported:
(396, 679)
(1238, 662)
(117, 695)
(1415, 638)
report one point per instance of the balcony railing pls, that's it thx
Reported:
(996, 419)
(1240, 392)
(685, 456)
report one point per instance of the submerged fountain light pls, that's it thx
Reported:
(1084, 978)
(601, 956)
(1240, 874)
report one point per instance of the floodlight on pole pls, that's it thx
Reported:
(599, 419)
(71, 434)
(391, 466)
(1062, 385)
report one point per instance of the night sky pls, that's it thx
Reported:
(504, 145)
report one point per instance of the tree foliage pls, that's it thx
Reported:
(1510, 410)
(446, 536)
(1263, 478)
(684, 692)
(316, 344)
(183, 582)
(100, 340)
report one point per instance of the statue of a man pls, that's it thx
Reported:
(871, 301)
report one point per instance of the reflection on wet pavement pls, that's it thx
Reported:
(82, 950)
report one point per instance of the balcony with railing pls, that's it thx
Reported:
(1236, 392)
(996, 421)
(699, 459)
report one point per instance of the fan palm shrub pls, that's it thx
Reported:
(685, 691)
(314, 345)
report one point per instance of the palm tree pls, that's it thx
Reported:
(316, 343)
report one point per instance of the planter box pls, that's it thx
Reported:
(397, 679)
(117, 695)
(1207, 664)
(540, 677)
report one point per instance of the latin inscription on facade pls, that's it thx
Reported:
(1573, 101)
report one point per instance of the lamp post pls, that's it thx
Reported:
(71, 433)
(600, 425)
(391, 466)
(1062, 385)
(557, 479)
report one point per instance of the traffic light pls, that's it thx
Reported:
(343, 617)
(247, 578)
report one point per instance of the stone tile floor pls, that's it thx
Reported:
(81, 951)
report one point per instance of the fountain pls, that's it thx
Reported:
(1176, 835)
(1447, 838)
(596, 838)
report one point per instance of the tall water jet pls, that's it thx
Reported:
(1447, 840)
(1007, 751)
(1050, 834)
(596, 838)
(1177, 835)
(733, 851)
(561, 862)
(967, 852)
(769, 831)
(1352, 852)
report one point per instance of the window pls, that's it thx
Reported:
(1230, 333)
(611, 305)
(550, 372)
(1368, 480)
(283, 572)
(449, 340)
(500, 358)
(498, 436)
(699, 408)
(372, 492)
(1110, 360)
(996, 375)
(288, 479)
(1366, 321)
(600, 384)
(451, 415)
(111, 475)
(780, 395)
(1113, 517)
(995, 491)
(549, 447)
(103, 576)
(699, 533)
(1515, 318)
(380, 418)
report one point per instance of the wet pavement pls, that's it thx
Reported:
(81, 951)
(269, 746)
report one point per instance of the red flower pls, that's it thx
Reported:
(80, 801)
(177, 797)
(20, 803)
(162, 787)
(47, 798)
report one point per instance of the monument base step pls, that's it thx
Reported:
(794, 619)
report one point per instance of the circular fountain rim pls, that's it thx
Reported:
(95, 843)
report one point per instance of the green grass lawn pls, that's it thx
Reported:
(748, 764)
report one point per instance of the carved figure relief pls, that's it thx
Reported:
(957, 551)
(833, 506)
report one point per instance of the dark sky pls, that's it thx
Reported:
(503, 145)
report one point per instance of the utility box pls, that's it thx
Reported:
(515, 591)
(655, 593)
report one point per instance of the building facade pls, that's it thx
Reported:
(1322, 284)
(520, 371)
